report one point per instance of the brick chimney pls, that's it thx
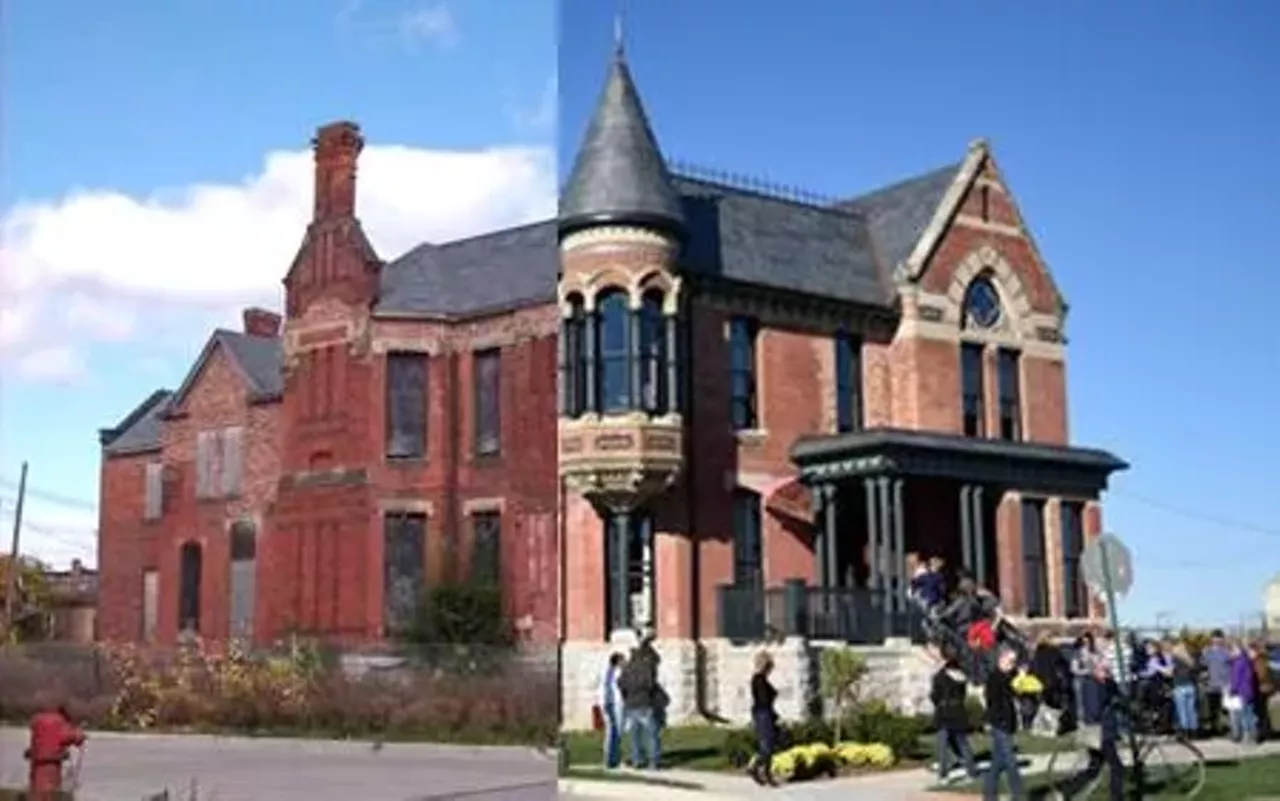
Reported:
(337, 146)
(261, 323)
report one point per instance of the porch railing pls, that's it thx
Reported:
(852, 615)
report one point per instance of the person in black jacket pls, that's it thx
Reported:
(1002, 722)
(763, 719)
(1100, 736)
(951, 717)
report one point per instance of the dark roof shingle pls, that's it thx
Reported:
(140, 429)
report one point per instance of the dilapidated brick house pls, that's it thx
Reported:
(315, 473)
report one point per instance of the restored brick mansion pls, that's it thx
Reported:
(770, 406)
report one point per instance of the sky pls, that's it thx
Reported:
(154, 179)
(1141, 141)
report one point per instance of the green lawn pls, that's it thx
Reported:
(1226, 781)
(703, 748)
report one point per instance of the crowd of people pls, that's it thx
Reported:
(1223, 687)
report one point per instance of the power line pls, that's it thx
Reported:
(55, 498)
(1197, 516)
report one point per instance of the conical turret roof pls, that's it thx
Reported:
(619, 175)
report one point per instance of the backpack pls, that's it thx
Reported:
(633, 678)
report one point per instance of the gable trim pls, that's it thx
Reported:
(949, 208)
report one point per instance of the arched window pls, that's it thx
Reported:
(244, 550)
(981, 304)
(613, 356)
(573, 354)
(190, 569)
(653, 354)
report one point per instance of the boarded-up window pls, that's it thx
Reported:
(153, 504)
(232, 461)
(488, 401)
(486, 564)
(219, 462)
(243, 577)
(150, 603)
(204, 463)
(404, 576)
(190, 570)
(406, 392)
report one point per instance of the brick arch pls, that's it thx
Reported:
(595, 284)
(986, 262)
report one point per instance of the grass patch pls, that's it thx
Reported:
(706, 748)
(686, 747)
(1225, 781)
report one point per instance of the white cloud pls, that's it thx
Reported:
(52, 533)
(431, 23)
(422, 23)
(103, 266)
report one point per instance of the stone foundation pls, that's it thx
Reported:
(710, 681)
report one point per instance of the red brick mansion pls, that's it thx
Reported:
(683, 404)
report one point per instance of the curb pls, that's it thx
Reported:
(633, 790)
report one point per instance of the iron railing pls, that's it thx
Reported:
(846, 614)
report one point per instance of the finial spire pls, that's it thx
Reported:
(619, 16)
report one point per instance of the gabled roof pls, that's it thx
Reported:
(619, 175)
(898, 215)
(139, 431)
(257, 359)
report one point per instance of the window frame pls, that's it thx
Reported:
(748, 539)
(490, 519)
(610, 355)
(973, 404)
(1075, 595)
(411, 525)
(153, 491)
(744, 365)
(394, 395)
(486, 402)
(651, 351)
(848, 383)
(1009, 392)
(190, 585)
(1035, 572)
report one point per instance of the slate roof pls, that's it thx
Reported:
(897, 215)
(619, 174)
(139, 431)
(501, 270)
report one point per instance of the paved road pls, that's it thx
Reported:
(130, 767)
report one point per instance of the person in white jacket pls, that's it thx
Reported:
(611, 710)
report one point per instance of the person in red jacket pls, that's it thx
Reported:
(52, 736)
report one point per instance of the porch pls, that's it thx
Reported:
(878, 497)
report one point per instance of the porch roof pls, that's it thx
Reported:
(1020, 465)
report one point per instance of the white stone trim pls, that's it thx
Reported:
(979, 224)
(483, 505)
(607, 237)
(913, 267)
(405, 506)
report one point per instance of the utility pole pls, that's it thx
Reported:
(11, 584)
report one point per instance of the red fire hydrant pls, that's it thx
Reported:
(52, 736)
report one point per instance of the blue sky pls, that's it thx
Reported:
(135, 104)
(1140, 140)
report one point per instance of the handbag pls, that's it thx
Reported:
(1232, 703)
(597, 718)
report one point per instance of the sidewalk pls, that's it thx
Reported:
(913, 784)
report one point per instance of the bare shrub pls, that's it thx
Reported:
(461, 694)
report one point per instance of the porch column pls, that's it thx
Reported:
(966, 527)
(823, 532)
(620, 533)
(873, 536)
(899, 547)
(979, 535)
(885, 550)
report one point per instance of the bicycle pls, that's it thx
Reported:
(1158, 762)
